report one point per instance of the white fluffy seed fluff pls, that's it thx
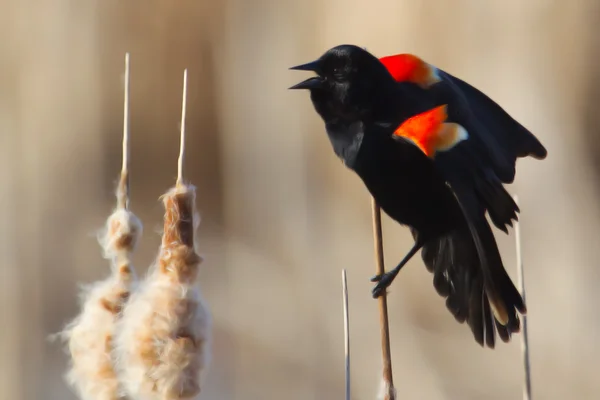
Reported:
(89, 336)
(163, 340)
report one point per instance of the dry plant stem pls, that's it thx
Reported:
(163, 345)
(388, 382)
(346, 332)
(123, 189)
(181, 159)
(524, 337)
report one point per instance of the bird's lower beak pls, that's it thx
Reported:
(311, 83)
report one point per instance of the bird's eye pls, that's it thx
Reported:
(338, 74)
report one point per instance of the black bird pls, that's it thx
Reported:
(434, 152)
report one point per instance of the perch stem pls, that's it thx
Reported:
(346, 332)
(524, 335)
(383, 312)
(123, 190)
(180, 161)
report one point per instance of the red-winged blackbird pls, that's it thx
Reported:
(434, 152)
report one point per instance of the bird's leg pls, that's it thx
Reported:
(385, 280)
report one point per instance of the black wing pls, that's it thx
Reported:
(496, 135)
(488, 157)
(467, 266)
(476, 169)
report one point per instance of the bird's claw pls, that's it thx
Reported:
(383, 282)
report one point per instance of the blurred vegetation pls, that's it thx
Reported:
(281, 215)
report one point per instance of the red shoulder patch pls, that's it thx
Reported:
(410, 68)
(423, 128)
(430, 131)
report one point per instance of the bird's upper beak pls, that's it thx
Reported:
(311, 83)
(311, 66)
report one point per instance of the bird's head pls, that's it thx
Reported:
(348, 82)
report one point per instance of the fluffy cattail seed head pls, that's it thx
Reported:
(163, 340)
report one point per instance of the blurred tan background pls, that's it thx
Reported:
(281, 215)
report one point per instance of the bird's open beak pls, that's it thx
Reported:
(311, 83)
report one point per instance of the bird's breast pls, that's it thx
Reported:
(405, 184)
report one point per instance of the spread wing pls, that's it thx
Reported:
(487, 140)
(499, 136)
(475, 161)
(487, 158)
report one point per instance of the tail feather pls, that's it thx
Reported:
(476, 318)
(490, 337)
(503, 332)
(500, 205)
(502, 292)
(468, 272)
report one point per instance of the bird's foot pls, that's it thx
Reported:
(383, 282)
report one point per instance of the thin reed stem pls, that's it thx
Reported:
(524, 335)
(180, 161)
(390, 392)
(123, 189)
(346, 332)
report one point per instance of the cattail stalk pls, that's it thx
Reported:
(123, 191)
(90, 335)
(163, 344)
(388, 392)
(180, 160)
(524, 335)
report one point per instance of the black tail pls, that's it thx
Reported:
(468, 272)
